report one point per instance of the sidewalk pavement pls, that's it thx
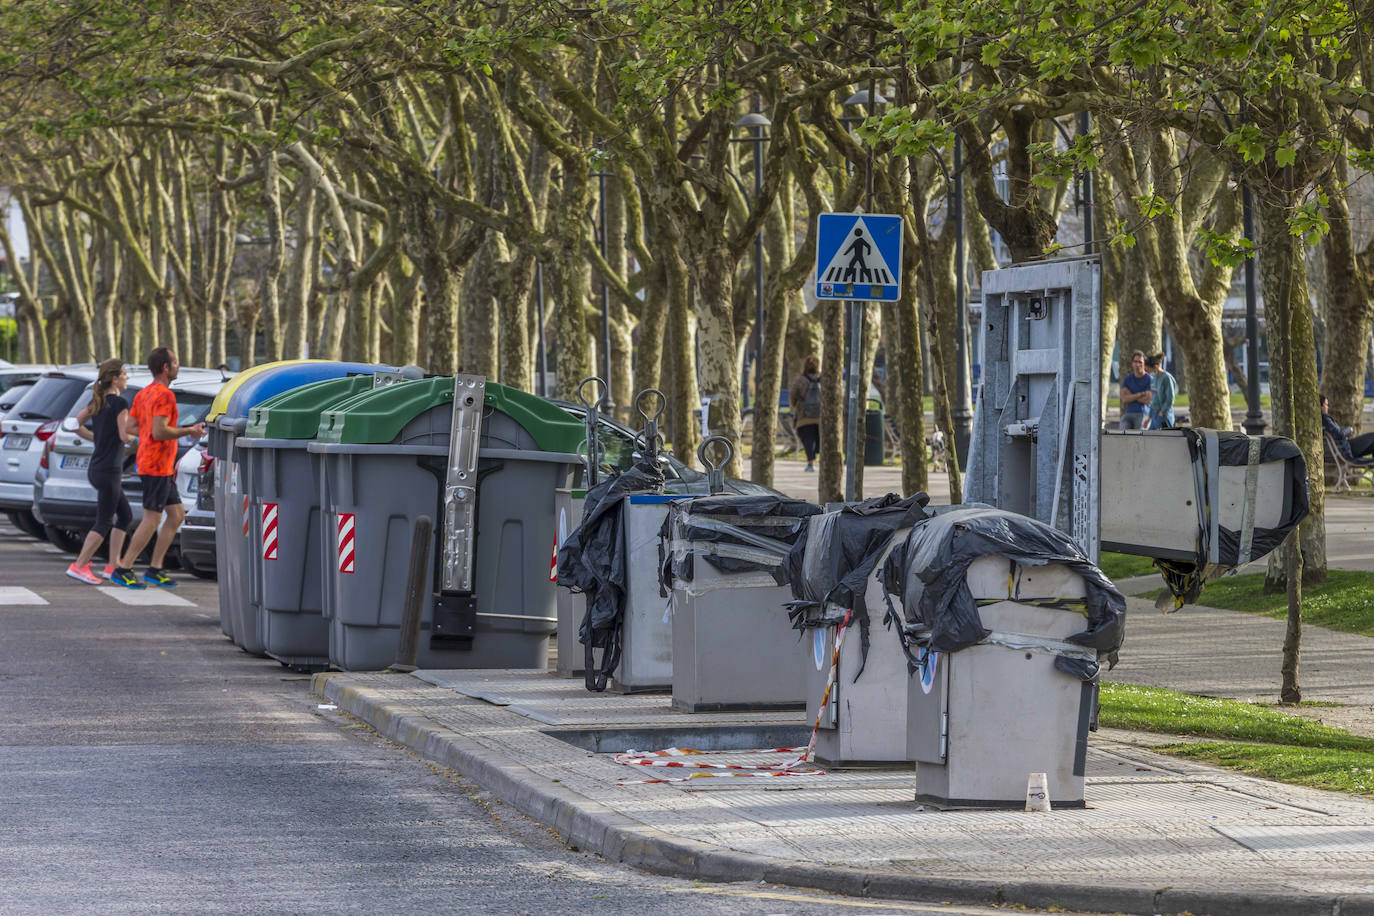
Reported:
(1159, 835)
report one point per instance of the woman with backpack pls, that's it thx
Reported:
(804, 398)
(110, 430)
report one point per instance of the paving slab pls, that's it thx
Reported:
(1158, 834)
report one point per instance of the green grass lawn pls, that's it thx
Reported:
(1124, 566)
(1256, 740)
(1345, 601)
(1238, 401)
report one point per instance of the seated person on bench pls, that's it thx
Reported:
(1359, 449)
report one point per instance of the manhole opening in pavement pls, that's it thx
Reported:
(742, 737)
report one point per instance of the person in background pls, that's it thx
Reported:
(155, 412)
(111, 429)
(1359, 449)
(804, 398)
(1162, 391)
(1135, 394)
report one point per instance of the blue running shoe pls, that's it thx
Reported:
(158, 577)
(126, 578)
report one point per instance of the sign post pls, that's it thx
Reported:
(859, 260)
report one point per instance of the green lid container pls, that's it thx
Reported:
(295, 414)
(379, 416)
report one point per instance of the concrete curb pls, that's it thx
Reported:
(596, 828)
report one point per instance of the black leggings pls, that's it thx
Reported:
(810, 436)
(1362, 446)
(111, 505)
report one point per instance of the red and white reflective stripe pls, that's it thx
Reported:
(346, 534)
(247, 521)
(553, 563)
(706, 770)
(269, 531)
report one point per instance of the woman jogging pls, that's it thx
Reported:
(111, 428)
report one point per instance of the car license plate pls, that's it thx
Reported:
(17, 443)
(77, 462)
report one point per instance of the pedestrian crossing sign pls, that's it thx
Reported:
(859, 256)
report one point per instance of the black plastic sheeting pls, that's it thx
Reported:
(592, 562)
(1186, 579)
(853, 538)
(736, 521)
(928, 572)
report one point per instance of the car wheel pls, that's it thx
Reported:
(65, 539)
(24, 519)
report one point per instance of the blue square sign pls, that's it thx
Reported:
(859, 256)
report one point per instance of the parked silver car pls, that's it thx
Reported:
(25, 431)
(63, 500)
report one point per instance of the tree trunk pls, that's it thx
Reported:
(831, 457)
(769, 378)
(1293, 367)
(572, 281)
(718, 359)
(686, 397)
(904, 384)
(1348, 310)
(269, 290)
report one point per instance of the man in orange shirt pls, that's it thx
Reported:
(154, 412)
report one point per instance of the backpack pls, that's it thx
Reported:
(811, 404)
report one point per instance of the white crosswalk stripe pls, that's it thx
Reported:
(17, 594)
(148, 597)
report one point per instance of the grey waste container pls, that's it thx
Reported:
(284, 523)
(572, 606)
(980, 719)
(228, 417)
(384, 462)
(1005, 621)
(864, 720)
(733, 647)
(646, 635)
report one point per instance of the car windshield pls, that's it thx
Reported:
(50, 398)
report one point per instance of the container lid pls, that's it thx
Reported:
(285, 376)
(295, 414)
(379, 416)
(221, 402)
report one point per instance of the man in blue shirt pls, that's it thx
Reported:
(1135, 394)
(1162, 390)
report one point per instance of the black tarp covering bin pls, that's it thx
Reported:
(593, 562)
(831, 562)
(1005, 624)
(863, 717)
(928, 571)
(725, 571)
(735, 534)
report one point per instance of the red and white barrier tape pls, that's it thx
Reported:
(707, 770)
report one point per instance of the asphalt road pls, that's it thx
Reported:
(147, 765)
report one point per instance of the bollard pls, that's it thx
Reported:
(408, 648)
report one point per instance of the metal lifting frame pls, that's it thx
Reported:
(1035, 446)
(460, 488)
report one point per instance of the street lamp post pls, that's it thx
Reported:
(1253, 424)
(962, 414)
(601, 176)
(757, 121)
(542, 359)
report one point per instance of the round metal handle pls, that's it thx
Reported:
(662, 404)
(582, 388)
(715, 440)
